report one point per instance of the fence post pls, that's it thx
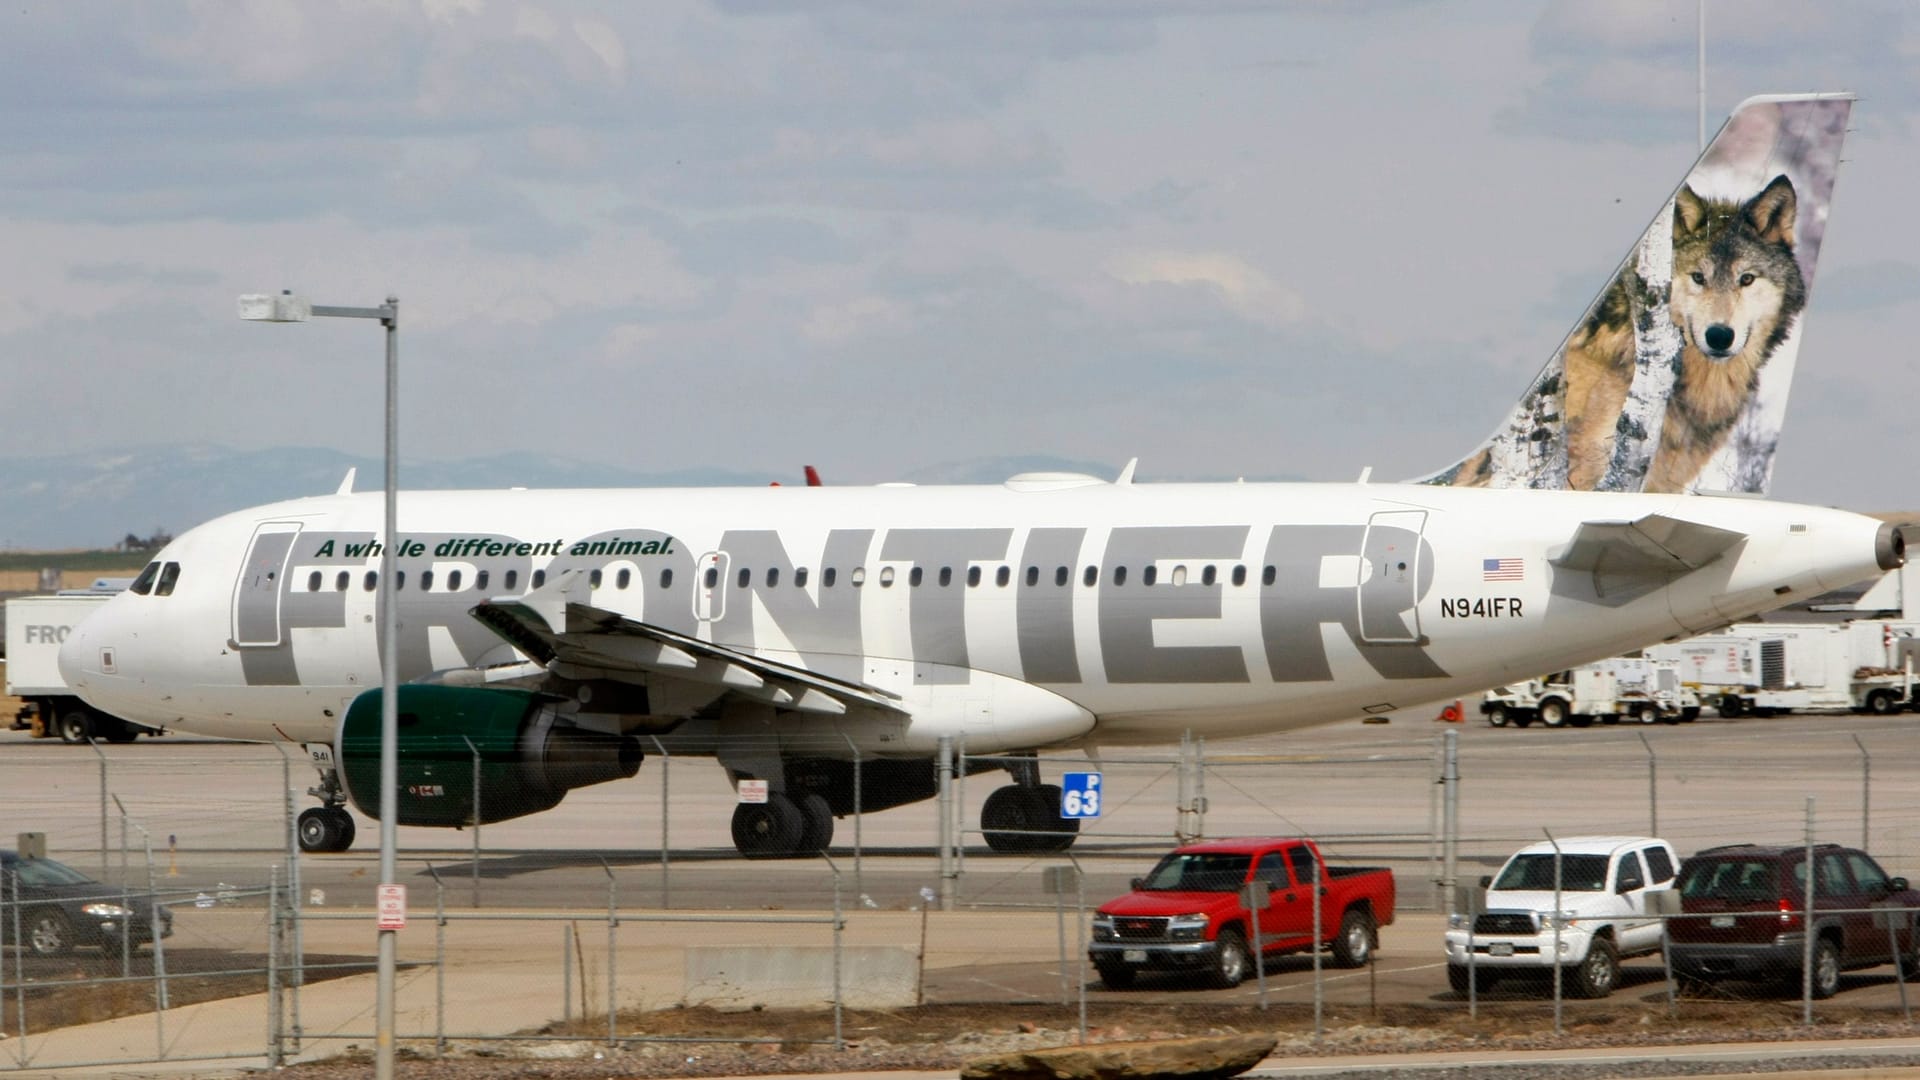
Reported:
(666, 858)
(95, 747)
(1653, 787)
(1866, 789)
(1807, 928)
(566, 973)
(613, 924)
(839, 925)
(943, 775)
(439, 962)
(859, 809)
(1557, 920)
(475, 751)
(1450, 812)
(273, 967)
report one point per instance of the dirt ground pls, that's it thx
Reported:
(946, 1037)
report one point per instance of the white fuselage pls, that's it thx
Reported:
(1220, 609)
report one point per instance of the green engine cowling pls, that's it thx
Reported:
(529, 755)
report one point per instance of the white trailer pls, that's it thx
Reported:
(1767, 668)
(36, 626)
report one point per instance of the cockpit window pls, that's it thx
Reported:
(144, 583)
(169, 576)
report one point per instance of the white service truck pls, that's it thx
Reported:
(1586, 907)
(1631, 688)
(36, 625)
(1767, 668)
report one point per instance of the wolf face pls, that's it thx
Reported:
(1737, 289)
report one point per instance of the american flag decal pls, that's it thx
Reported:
(1502, 569)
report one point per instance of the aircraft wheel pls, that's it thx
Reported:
(1060, 832)
(1007, 813)
(73, 726)
(325, 829)
(817, 831)
(768, 830)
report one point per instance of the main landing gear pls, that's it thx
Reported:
(1023, 818)
(327, 827)
(785, 826)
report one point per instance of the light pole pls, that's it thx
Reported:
(287, 307)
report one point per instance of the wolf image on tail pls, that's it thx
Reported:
(1676, 378)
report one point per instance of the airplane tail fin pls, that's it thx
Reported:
(1676, 378)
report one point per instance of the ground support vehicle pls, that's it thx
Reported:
(36, 625)
(1744, 916)
(1768, 668)
(1629, 688)
(60, 909)
(1601, 913)
(1188, 914)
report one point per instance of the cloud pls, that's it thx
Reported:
(1244, 288)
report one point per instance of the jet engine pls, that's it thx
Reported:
(470, 756)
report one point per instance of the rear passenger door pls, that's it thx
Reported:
(1871, 884)
(1277, 921)
(1637, 932)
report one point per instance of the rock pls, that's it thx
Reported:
(1168, 1059)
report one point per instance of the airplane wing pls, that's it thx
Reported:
(595, 639)
(1631, 558)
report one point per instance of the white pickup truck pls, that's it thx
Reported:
(1601, 913)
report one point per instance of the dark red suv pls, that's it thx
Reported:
(1744, 915)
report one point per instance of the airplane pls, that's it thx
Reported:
(802, 635)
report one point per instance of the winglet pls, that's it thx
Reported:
(346, 485)
(1676, 377)
(1126, 474)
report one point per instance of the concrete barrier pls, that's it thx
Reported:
(741, 977)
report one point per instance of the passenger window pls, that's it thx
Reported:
(1119, 575)
(1149, 574)
(1090, 576)
(169, 576)
(1060, 576)
(1206, 576)
(1867, 875)
(1033, 576)
(512, 580)
(1239, 575)
(340, 583)
(144, 583)
(453, 581)
(666, 578)
(1272, 871)
(399, 580)
(886, 577)
(743, 577)
(827, 576)
(973, 576)
(372, 581)
(913, 577)
(1180, 575)
(623, 579)
(946, 576)
(1002, 576)
(800, 577)
(426, 581)
(1631, 877)
(479, 580)
(858, 577)
(773, 576)
(713, 576)
(1659, 865)
(1266, 576)
(313, 581)
(1302, 861)
(539, 578)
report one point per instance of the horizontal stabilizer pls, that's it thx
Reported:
(597, 639)
(1631, 558)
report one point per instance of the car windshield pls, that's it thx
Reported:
(1199, 872)
(1534, 873)
(1731, 879)
(47, 872)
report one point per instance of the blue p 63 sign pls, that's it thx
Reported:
(1080, 795)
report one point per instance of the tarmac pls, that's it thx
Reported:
(499, 975)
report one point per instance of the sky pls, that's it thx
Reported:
(1228, 238)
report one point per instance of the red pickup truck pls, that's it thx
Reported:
(1187, 915)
